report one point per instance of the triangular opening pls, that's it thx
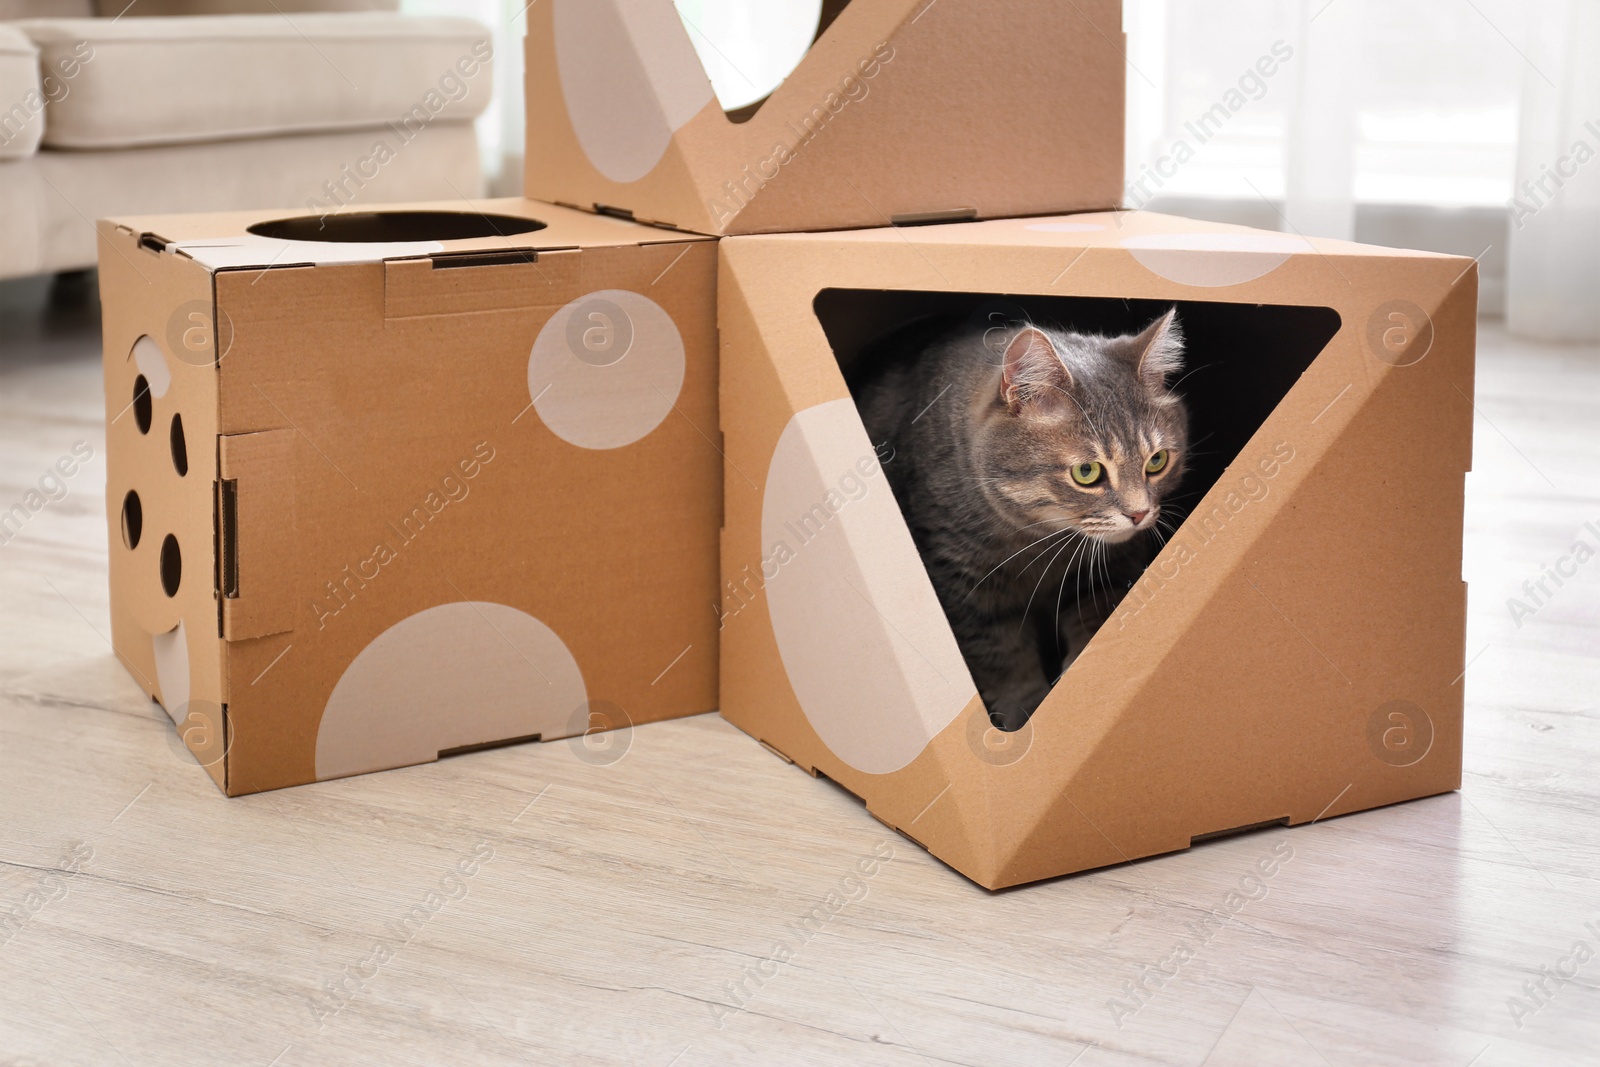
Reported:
(1023, 602)
(748, 49)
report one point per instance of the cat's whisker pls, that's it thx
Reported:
(1042, 576)
(1014, 555)
(1196, 370)
(1043, 552)
(1077, 573)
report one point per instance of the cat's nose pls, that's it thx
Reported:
(1136, 517)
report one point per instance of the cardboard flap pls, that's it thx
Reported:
(255, 533)
(489, 280)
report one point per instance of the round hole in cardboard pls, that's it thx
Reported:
(132, 519)
(180, 449)
(766, 41)
(143, 405)
(171, 565)
(381, 227)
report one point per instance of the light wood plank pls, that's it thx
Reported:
(624, 906)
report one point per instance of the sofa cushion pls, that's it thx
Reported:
(39, 9)
(168, 81)
(111, 8)
(48, 202)
(21, 96)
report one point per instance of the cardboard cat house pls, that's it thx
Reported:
(386, 486)
(1294, 652)
(901, 110)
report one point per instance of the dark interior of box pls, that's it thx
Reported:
(1239, 359)
(371, 227)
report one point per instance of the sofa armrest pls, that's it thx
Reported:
(22, 95)
(141, 82)
(144, 8)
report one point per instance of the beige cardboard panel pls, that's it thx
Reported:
(919, 142)
(895, 111)
(863, 638)
(424, 287)
(169, 643)
(258, 537)
(392, 524)
(754, 411)
(1147, 702)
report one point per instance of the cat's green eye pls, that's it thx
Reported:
(1157, 463)
(1086, 473)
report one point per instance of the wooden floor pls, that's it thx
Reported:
(631, 913)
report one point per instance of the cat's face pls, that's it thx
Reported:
(1084, 432)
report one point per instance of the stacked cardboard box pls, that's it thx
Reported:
(388, 486)
(1293, 653)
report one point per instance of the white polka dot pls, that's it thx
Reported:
(152, 363)
(171, 651)
(457, 674)
(606, 369)
(1211, 260)
(863, 639)
(1064, 227)
(630, 78)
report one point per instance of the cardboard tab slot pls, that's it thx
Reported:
(256, 533)
(462, 750)
(483, 259)
(1214, 835)
(498, 280)
(228, 538)
(926, 218)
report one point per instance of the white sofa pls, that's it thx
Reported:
(302, 109)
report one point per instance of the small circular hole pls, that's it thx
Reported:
(171, 565)
(132, 519)
(180, 450)
(143, 410)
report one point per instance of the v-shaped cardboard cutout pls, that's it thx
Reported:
(901, 109)
(1295, 652)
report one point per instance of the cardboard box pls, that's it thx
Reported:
(902, 110)
(1295, 651)
(386, 486)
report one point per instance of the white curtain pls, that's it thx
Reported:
(1554, 290)
(1319, 157)
(1320, 108)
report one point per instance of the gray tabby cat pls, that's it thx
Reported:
(1025, 459)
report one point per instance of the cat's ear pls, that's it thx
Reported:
(1034, 377)
(1159, 351)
